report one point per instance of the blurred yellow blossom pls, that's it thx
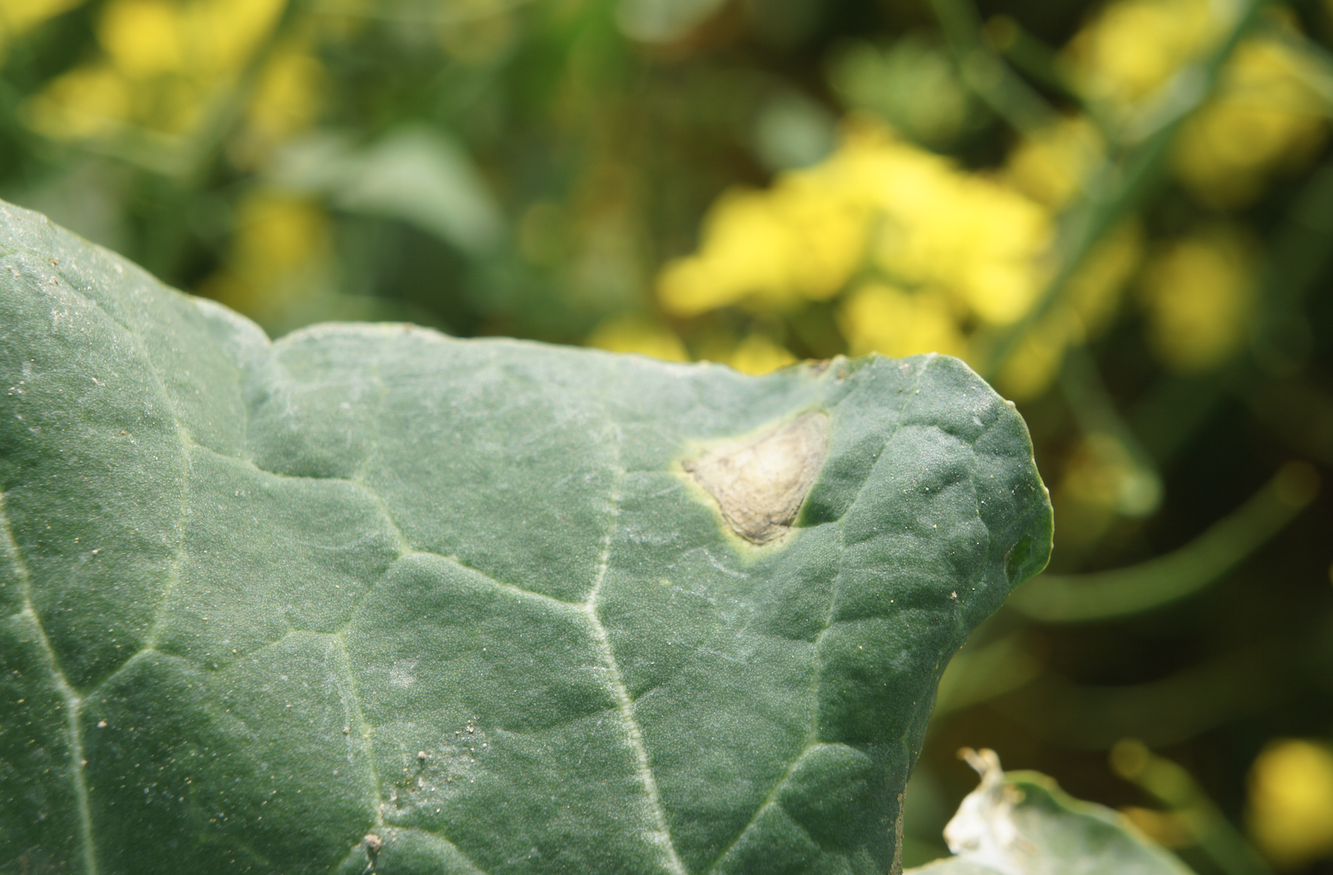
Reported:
(161, 64)
(1051, 166)
(17, 17)
(288, 96)
(1086, 306)
(1197, 296)
(1264, 115)
(759, 354)
(1092, 294)
(966, 234)
(278, 241)
(87, 101)
(1291, 802)
(1102, 480)
(878, 317)
(142, 38)
(1131, 48)
(876, 204)
(1264, 112)
(639, 335)
(1036, 359)
(797, 241)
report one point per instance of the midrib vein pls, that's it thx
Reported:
(73, 702)
(661, 834)
(662, 838)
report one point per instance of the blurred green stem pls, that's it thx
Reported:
(1091, 404)
(1173, 786)
(1036, 60)
(1116, 187)
(980, 673)
(986, 72)
(1081, 598)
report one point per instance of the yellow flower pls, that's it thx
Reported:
(162, 63)
(222, 34)
(797, 242)
(1101, 480)
(1092, 294)
(745, 253)
(878, 317)
(1264, 115)
(967, 235)
(287, 98)
(1088, 303)
(1051, 166)
(142, 38)
(1291, 802)
(875, 203)
(638, 335)
(1036, 360)
(1197, 296)
(759, 354)
(87, 101)
(280, 242)
(1131, 48)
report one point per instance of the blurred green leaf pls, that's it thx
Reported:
(413, 173)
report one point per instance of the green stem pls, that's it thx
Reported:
(1055, 598)
(1173, 785)
(986, 72)
(1095, 411)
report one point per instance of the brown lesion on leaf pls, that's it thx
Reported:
(760, 483)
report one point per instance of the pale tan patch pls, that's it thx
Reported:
(759, 484)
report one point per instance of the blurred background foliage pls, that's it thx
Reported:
(1121, 213)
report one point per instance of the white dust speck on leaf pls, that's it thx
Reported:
(400, 673)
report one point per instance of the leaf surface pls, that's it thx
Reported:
(369, 598)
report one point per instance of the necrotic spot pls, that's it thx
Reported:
(759, 484)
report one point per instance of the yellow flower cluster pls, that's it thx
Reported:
(164, 63)
(1133, 47)
(1264, 115)
(878, 209)
(917, 254)
(916, 248)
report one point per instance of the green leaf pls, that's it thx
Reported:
(413, 173)
(1022, 823)
(372, 598)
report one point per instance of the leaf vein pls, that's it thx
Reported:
(351, 695)
(660, 835)
(73, 702)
